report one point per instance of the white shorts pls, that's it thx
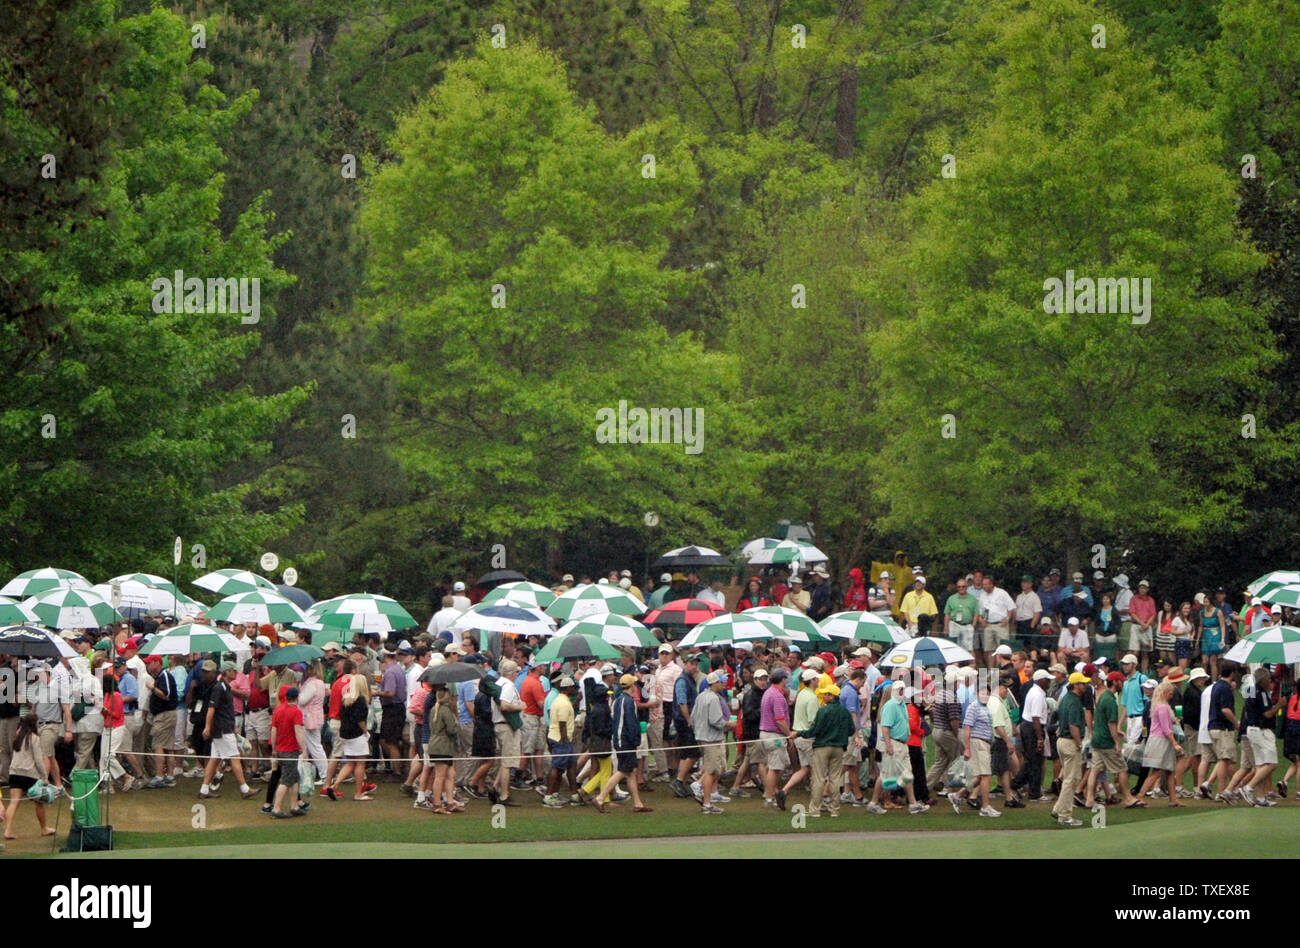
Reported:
(1264, 744)
(356, 746)
(963, 635)
(225, 747)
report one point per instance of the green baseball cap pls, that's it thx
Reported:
(103, 645)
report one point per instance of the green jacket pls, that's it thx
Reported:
(442, 732)
(832, 727)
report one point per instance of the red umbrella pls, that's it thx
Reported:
(683, 612)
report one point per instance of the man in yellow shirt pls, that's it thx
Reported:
(559, 740)
(918, 602)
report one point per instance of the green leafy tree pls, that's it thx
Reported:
(122, 435)
(1069, 425)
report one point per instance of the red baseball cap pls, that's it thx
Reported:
(1115, 676)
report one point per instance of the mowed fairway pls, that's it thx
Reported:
(163, 823)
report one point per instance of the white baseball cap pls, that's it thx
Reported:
(1073, 621)
(625, 583)
(666, 578)
(458, 587)
(1002, 650)
(1129, 659)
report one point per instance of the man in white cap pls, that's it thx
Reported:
(797, 598)
(916, 604)
(665, 677)
(896, 762)
(1033, 737)
(710, 720)
(959, 614)
(714, 593)
(1072, 646)
(819, 601)
(458, 597)
(881, 599)
(806, 706)
(660, 593)
(631, 587)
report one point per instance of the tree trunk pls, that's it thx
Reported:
(846, 102)
(1073, 547)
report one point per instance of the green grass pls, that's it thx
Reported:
(1237, 833)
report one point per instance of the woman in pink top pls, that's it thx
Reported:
(1162, 750)
(311, 701)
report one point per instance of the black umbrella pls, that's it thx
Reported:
(450, 672)
(299, 597)
(690, 557)
(499, 576)
(24, 641)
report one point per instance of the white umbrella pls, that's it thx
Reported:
(68, 608)
(614, 629)
(788, 552)
(521, 593)
(791, 623)
(261, 606)
(138, 596)
(189, 639)
(228, 582)
(504, 618)
(863, 627)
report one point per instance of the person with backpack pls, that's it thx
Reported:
(599, 731)
(685, 690)
(626, 738)
(483, 745)
(163, 699)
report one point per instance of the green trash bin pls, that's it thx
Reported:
(85, 806)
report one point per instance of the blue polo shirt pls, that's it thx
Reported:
(851, 701)
(466, 692)
(1131, 695)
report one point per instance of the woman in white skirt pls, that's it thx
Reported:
(1162, 750)
(356, 741)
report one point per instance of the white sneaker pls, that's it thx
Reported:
(956, 803)
(1247, 794)
(989, 811)
(846, 797)
(719, 798)
(767, 801)
(875, 809)
(1264, 801)
(916, 808)
(712, 810)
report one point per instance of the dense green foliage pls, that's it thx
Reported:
(826, 225)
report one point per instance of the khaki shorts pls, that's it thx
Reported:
(963, 635)
(981, 758)
(1263, 745)
(225, 747)
(1108, 760)
(49, 735)
(1223, 746)
(1248, 755)
(852, 754)
(1139, 639)
(508, 742)
(531, 738)
(713, 757)
(774, 751)
(804, 746)
(990, 636)
(754, 754)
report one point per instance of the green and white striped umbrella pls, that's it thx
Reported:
(191, 638)
(1288, 595)
(1269, 581)
(614, 629)
(361, 612)
(522, 593)
(582, 601)
(1276, 645)
(792, 623)
(756, 545)
(15, 613)
(228, 582)
(728, 628)
(36, 581)
(138, 596)
(863, 627)
(788, 551)
(260, 606)
(68, 608)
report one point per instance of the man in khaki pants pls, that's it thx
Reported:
(945, 718)
(1069, 747)
(831, 731)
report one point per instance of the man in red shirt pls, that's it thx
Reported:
(287, 740)
(533, 734)
(344, 669)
